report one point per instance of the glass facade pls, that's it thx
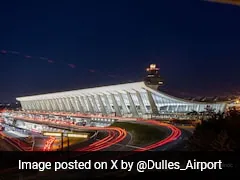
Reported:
(122, 101)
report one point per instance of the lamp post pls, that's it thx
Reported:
(68, 143)
(62, 141)
(33, 142)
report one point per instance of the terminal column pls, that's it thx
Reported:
(132, 105)
(103, 110)
(125, 110)
(84, 105)
(116, 107)
(91, 110)
(142, 106)
(107, 103)
(152, 103)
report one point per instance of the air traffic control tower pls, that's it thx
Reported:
(153, 79)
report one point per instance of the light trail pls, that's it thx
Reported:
(114, 139)
(175, 134)
(49, 143)
(22, 146)
(99, 143)
(115, 134)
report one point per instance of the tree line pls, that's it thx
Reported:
(220, 132)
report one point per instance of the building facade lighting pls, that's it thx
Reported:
(77, 135)
(52, 134)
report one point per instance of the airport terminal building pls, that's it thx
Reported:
(137, 99)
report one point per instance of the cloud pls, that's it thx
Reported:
(72, 65)
(91, 70)
(50, 61)
(3, 51)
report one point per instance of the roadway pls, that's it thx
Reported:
(6, 146)
(20, 139)
(116, 138)
(114, 135)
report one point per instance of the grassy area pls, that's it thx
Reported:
(141, 134)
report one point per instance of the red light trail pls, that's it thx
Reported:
(115, 134)
(20, 145)
(49, 143)
(175, 133)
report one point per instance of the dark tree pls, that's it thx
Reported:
(220, 132)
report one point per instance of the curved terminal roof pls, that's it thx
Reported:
(112, 89)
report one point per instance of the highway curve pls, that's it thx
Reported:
(114, 136)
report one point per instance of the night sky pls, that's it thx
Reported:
(196, 44)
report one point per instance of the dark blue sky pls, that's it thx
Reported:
(195, 43)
